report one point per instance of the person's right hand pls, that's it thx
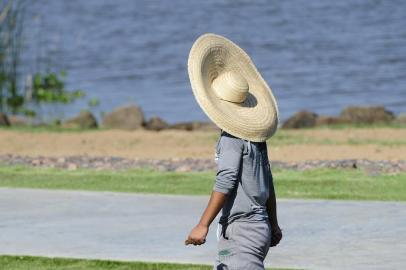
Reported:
(276, 235)
(198, 235)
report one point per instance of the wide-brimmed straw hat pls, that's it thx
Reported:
(230, 90)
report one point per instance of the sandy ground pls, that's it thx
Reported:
(287, 145)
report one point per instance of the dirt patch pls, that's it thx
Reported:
(343, 135)
(327, 144)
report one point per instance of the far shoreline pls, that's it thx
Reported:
(131, 117)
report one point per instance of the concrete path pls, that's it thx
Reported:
(318, 234)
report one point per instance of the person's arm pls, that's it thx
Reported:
(273, 215)
(226, 180)
(271, 206)
(198, 235)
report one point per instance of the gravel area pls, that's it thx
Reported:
(372, 167)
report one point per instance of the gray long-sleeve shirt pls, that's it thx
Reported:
(245, 175)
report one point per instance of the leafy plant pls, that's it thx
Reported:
(43, 88)
(11, 26)
(50, 88)
(93, 102)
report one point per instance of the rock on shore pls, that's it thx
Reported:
(156, 123)
(401, 119)
(84, 120)
(18, 121)
(349, 115)
(195, 125)
(301, 119)
(4, 120)
(128, 118)
(367, 115)
(131, 117)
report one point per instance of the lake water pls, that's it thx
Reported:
(316, 55)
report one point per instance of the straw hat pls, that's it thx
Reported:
(230, 90)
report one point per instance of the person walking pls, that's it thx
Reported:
(232, 93)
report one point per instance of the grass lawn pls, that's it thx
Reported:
(343, 184)
(43, 263)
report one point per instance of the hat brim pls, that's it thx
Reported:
(256, 119)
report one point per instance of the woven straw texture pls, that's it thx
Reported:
(256, 118)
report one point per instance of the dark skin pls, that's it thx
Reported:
(276, 233)
(217, 199)
(198, 235)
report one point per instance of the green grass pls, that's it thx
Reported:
(342, 184)
(43, 263)
(139, 180)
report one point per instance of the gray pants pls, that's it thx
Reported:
(243, 245)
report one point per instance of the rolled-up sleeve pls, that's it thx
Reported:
(229, 162)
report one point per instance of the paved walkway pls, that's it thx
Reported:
(318, 234)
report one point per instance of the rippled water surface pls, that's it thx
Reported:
(316, 55)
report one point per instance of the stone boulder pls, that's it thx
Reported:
(194, 125)
(128, 117)
(324, 120)
(189, 126)
(302, 119)
(208, 126)
(18, 121)
(367, 115)
(4, 119)
(84, 120)
(401, 119)
(156, 123)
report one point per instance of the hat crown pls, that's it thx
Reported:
(231, 86)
